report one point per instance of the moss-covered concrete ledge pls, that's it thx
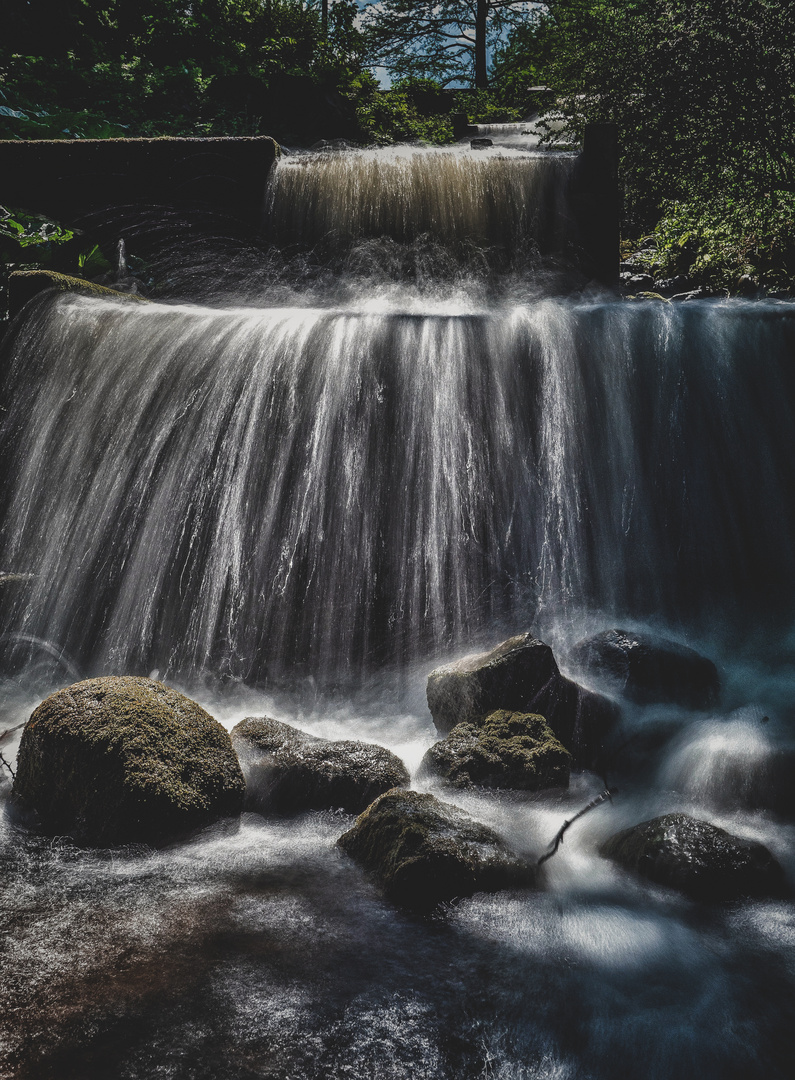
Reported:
(69, 177)
(23, 285)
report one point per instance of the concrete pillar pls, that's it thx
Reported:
(596, 201)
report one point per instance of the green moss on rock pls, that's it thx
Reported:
(122, 759)
(29, 282)
(700, 859)
(288, 771)
(422, 851)
(510, 750)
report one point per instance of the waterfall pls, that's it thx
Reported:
(371, 469)
(382, 439)
(256, 490)
(505, 203)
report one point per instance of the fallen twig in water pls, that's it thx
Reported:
(605, 796)
(7, 764)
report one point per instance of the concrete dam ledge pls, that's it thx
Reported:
(67, 177)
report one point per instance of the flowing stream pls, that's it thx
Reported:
(297, 499)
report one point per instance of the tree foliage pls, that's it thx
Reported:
(703, 94)
(162, 66)
(447, 41)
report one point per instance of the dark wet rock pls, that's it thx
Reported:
(422, 851)
(670, 286)
(647, 668)
(288, 771)
(701, 293)
(122, 760)
(520, 675)
(511, 750)
(748, 287)
(698, 859)
(637, 282)
(648, 296)
(481, 144)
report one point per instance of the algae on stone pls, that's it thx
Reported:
(124, 759)
(422, 851)
(288, 771)
(510, 750)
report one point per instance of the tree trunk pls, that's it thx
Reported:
(481, 22)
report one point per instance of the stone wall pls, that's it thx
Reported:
(66, 178)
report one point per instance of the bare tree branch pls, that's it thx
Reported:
(605, 796)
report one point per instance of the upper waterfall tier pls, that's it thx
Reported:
(505, 205)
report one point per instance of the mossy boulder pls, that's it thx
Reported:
(521, 675)
(288, 771)
(697, 858)
(510, 750)
(122, 759)
(422, 851)
(647, 668)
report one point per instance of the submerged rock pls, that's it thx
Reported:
(742, 760)
(510, 750)
(699, 859)
(422, 851)
(288, 771)
(520, 675)
(122, 760)
(647, 668)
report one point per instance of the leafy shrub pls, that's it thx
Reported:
(718, 241)
(392, 116)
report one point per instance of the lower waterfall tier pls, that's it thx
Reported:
(263, 490)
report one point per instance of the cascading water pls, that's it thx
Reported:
(399, 440)
(509, 202)
(249, 490)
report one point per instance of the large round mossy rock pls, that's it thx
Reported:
(422, 851)
(511, 750)
(697, 858)
(521, 675)
(122, 759)
(289, 771)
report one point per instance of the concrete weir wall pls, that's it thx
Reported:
(68, 178)
(65, 177)
(596, 203)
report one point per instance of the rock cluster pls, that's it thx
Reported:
(521, 675)
(118, 760)
(288, 771)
